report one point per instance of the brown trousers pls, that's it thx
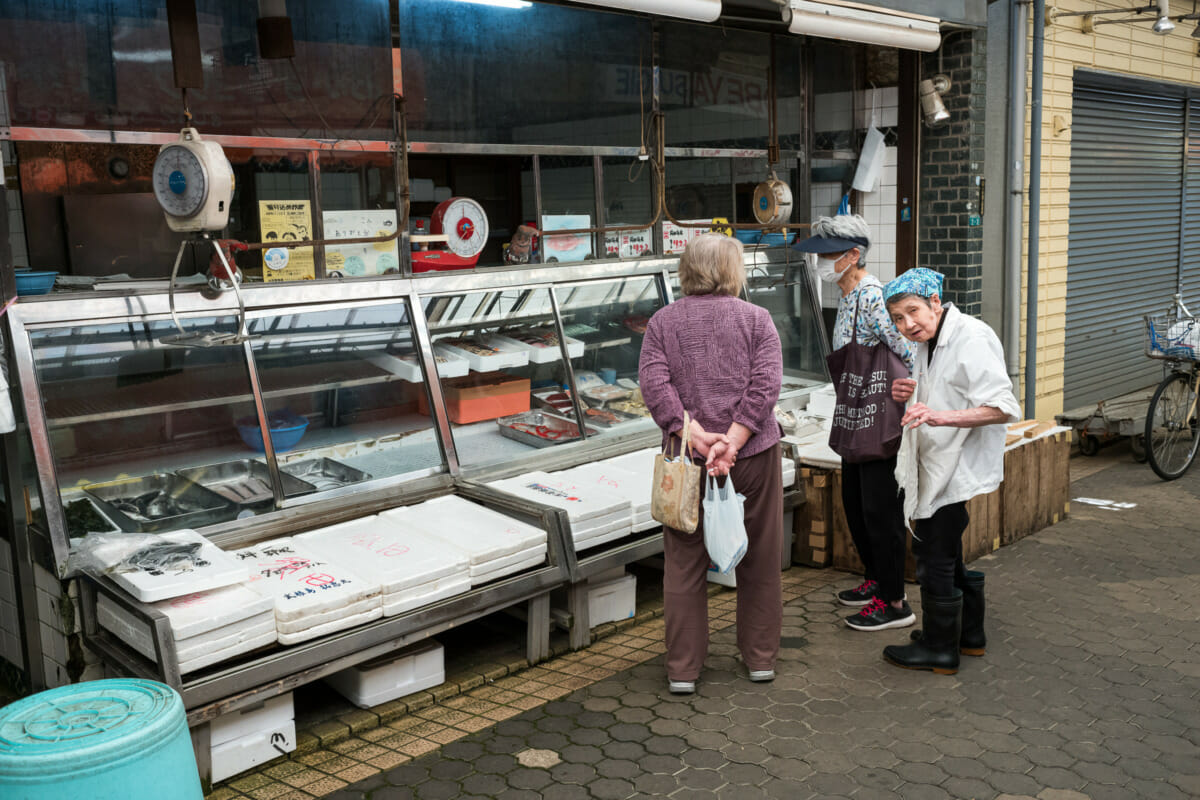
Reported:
(759, 593)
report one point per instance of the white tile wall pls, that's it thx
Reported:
(53, 639)
(884, 102)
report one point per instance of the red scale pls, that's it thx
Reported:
(461, 224)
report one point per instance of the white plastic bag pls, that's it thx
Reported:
(724, 525)
(870, 160)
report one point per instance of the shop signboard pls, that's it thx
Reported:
(286, 220)
(360, 260)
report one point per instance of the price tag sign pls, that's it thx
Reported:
(635, 244)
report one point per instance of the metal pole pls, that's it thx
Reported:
(1014, 216)
(1035, 202)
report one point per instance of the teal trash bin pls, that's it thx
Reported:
(121, 739)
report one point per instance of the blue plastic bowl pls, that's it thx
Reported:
(768, 239)
(286, 432)
(35, 282)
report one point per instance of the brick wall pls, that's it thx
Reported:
(951, 163)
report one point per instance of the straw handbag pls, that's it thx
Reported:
(675, 496)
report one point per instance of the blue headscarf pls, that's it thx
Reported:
(922, 281)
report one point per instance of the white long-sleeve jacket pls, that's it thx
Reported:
(944, 465)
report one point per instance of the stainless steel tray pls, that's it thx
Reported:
(183, 504)
(539, 429)
(325, 473)
(246, 482)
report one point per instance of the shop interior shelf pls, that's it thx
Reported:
(97, 399)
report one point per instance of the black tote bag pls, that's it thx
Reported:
(866, 420)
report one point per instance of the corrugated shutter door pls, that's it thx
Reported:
(1126, 182)
(1191, 212)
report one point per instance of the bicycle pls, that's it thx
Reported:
(1172, 430)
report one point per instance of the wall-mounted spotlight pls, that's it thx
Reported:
(932, 108)
(1092, 19)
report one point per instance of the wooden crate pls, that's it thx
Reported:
(811, 526)
(982, 535)
(1054, 499)
(1037, 485)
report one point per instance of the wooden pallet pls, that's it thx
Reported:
(811, 525)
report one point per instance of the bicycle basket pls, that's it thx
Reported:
(1173, 338)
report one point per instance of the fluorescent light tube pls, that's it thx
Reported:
(696, 10)
(868, 27)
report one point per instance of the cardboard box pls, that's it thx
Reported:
(483, 395)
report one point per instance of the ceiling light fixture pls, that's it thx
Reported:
(694, 10)
(868, 27)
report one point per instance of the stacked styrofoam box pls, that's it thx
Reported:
(312, 596)
(166, 569)
(495, 545)
(411, 568)
(639, 461)
(789, 472)
(611, 599)
(596, 516)
(243, 739)
(821, 401)
(622, 482)
(390, 676)
(208, 627)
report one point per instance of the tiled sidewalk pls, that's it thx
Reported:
(360, 744)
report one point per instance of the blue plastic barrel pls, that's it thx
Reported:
(122, 739)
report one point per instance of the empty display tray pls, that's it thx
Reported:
(163, 501)
(539, 429)
(246, 482)
(325, 473)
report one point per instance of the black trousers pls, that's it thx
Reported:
(937, 545)
(875, 514)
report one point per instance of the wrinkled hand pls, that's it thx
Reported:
(703, 441)
(721, 458)
(921, 414)
(902, 389)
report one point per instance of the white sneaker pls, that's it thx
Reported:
(681, 687)
(762, 675)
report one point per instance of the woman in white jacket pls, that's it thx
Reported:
(953, 450)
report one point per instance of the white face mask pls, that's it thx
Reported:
(827, 269)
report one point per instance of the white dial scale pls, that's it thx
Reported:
(193, 182)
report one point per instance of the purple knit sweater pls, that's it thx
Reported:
(719, 358)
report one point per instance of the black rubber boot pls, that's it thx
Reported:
(973, 642)
(937, 649)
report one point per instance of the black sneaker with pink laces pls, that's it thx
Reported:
(858, 596)
(879, 616)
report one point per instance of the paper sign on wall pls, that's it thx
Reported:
(359, 260)
(286, 220)
(628, 244)
(676, 237)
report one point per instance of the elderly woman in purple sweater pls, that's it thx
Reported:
(718, 357)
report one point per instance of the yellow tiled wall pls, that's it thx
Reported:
(1129, 49)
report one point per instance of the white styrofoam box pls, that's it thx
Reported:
(431, 592)
(821, 401)
(201, 650)
(507, 569)
(722, 579)
(301, 582)
(612, 600)
(536, 553)
(329, 615)
(640, 462)
(595, 537)
(246, 752)
(486, 363)
(483, 534)
(387, 550)
(330, 627)
(388, 677)
(149, 581)
(270, 714)
(609, 477)
(539, 352)
(644, 523)
(201, 612)
(581, 502)
(449, 363)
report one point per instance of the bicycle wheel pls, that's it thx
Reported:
(1171, 430)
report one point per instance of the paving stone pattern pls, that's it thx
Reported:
(1090, 689)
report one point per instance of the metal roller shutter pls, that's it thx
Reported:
(1124, 243)
(1190, 262)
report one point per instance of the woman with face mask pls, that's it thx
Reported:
(869, 491)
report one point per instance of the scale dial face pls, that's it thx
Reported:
(180, 181)
(466, 227)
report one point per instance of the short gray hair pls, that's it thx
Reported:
(712, 264)
(845, 226)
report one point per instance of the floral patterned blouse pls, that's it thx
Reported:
(874, 323)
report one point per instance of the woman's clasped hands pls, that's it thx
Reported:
(719, 449)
